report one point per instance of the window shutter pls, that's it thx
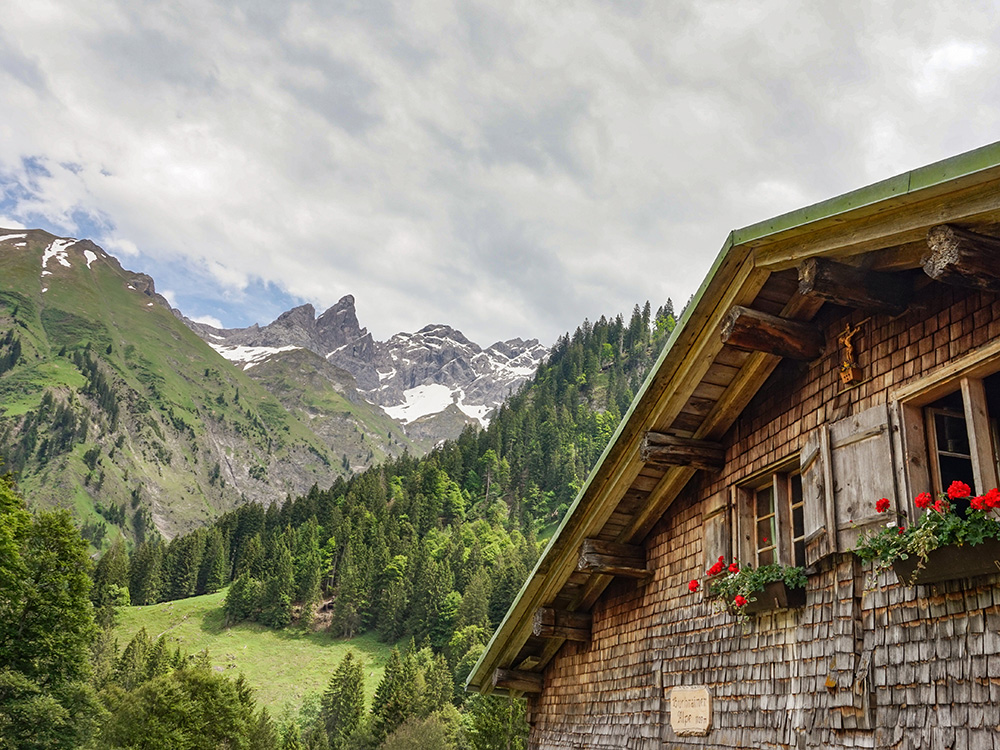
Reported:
(817, 500)
(716, 530)
(863, 471)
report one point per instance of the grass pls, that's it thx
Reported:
(283, 666)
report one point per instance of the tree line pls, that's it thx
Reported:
(427, 551)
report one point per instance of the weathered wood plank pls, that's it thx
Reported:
(963, 258)
(753, 330)
(610, 558)
(517, 680)
(557, 623)
(669, 450)
(854, 287)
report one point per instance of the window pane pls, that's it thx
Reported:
(765, 532)
(798, 522)
(955, 468)
(800, 553)
(952, 437)
(765, 502)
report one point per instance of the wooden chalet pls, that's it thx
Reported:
(839, 354)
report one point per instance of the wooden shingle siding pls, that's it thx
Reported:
(886, 667)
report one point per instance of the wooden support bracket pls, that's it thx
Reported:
(609, 558)
(963, 258)
(670, 450)
(518, 681)
(558, 623)
(755, 331)
(854, 287)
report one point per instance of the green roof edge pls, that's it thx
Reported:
(960, 165)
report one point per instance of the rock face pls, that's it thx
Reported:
(412, 376)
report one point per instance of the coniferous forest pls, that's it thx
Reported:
(427, 553)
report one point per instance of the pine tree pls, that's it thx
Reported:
(146, 573)
(278, 592)
(475, 607)
(212, 574)
(242, 599)
(349, 603)
(395, 697)
(343, 703)
(111, 583)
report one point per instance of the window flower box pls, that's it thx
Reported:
(743, 591)
(775, 595)
(949, 563)
(943, 545)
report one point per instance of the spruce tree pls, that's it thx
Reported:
(395, 697)
(146, 573)
(343, 703)
(212, 574)
(279, 590)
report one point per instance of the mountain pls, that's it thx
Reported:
(434, 382)
(111, 406)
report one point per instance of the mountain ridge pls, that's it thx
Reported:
(410, 376)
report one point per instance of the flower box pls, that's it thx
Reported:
(950, 563)
(775, 595)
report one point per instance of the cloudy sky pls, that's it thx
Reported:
(507, 168)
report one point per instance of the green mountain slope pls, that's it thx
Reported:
(111, 406)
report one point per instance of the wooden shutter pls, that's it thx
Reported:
(863, 471)
(715, 528)
(846, 467)
(817, 502)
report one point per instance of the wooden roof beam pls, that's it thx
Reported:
(854, 287)
(662, 449)
(963, 258)
(517, 681)
(558, 623)
(610, 558)
(755, 331)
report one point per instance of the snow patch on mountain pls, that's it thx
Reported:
(8, 237)
(246, 357)
(421, 401)
(57, 249)
(90, 256)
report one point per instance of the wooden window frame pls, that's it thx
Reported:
(779, 479)
(917, 438)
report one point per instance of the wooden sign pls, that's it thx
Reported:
(690, 711)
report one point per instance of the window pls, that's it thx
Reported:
(772, 520)
(951, 426)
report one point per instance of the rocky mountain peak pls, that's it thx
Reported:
(412, 376)
(339, 324)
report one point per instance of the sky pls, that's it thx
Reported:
(506, 168)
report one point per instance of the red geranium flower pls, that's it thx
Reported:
(978, 503)
(882, 505)
(901, 529)
(923, 500)
(958, 490)
(734, 568)
(693, 586)
(739, 600)
(941, 506)
(992, 498)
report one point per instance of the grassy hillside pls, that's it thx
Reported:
(283, 666)
(112, 407)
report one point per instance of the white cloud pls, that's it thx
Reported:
(209, 321)
(508, 170)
